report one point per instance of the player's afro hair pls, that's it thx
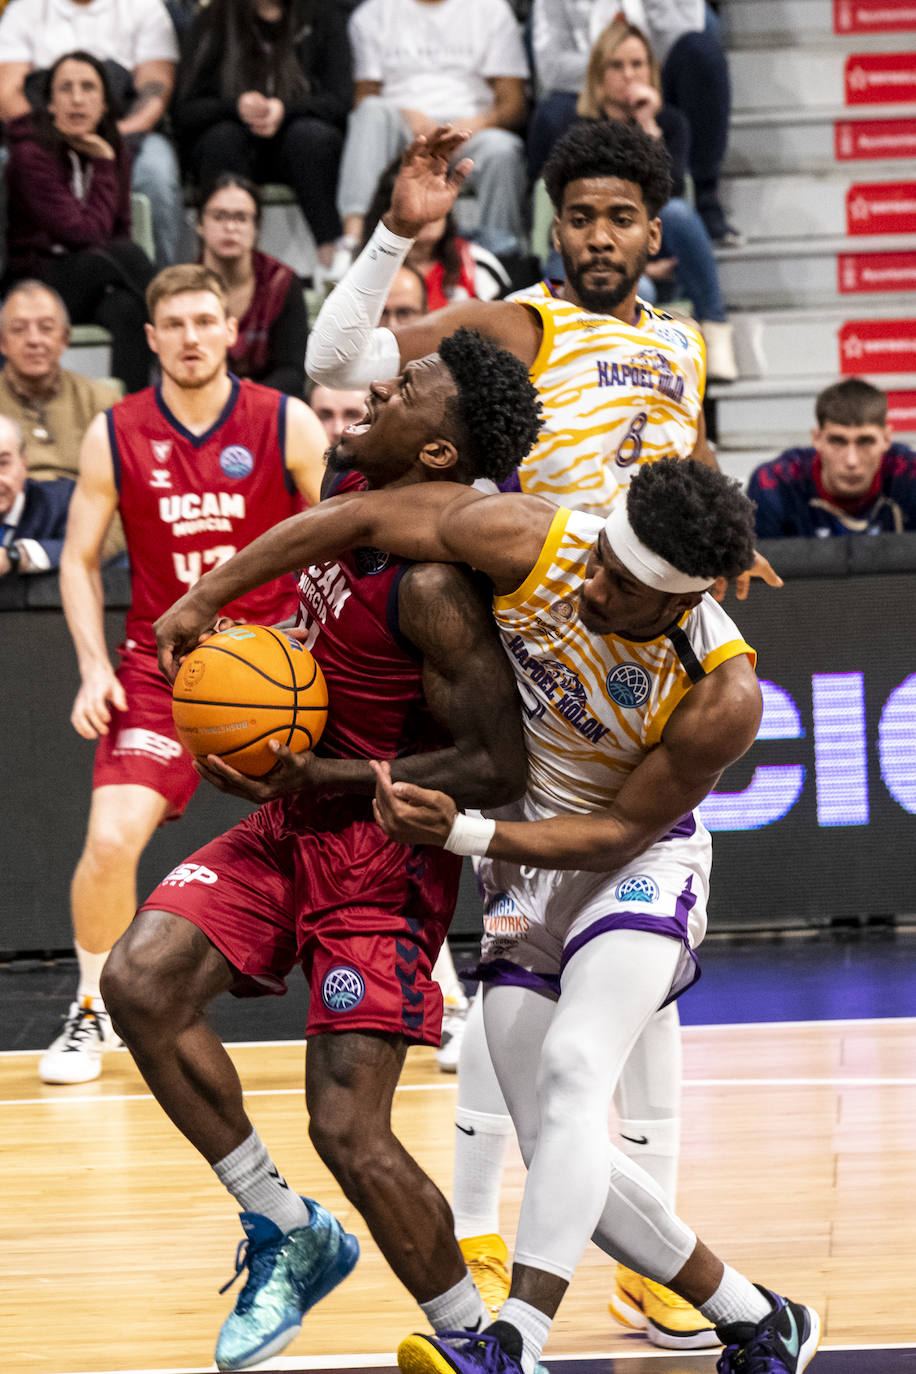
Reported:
(497, 412)
(609, 148)
(697, 518)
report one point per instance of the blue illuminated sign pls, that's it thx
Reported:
(840, 739)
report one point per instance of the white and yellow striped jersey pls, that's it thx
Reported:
(596, 704)
(613, 396)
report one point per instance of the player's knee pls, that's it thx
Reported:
(569, 1085)
(111, 847)
(141, 984)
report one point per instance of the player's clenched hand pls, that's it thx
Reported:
(761, 567)
(91, 714)
(426, 187)
(179, 630)
(291, 773)
(411, 814)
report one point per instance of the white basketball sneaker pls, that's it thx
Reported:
(76, 1054)
(454, 1020)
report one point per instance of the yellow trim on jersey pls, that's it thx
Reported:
(538, 573)
(733, 649)
(548, 336)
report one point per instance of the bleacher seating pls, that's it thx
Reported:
(818, 161)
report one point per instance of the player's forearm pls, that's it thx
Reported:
(596, 844)
(477, 778)
(83, 601)
(345, 347)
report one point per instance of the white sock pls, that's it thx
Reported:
(480, 1147)
(735, 1300)
(534, 1326)
(256, 1183)
(654, 1145)
(459, 1309)
(91, 966)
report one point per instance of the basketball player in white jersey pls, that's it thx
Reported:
(639, 692)
(620, 384)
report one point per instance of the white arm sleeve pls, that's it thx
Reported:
(345, 349)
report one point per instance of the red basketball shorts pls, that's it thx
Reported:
(141, 745)
(320, 884)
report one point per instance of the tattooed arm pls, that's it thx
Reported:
(153, 81)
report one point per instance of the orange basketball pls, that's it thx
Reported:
(244, 687)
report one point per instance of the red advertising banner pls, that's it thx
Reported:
(887, 207)
(873, 16)
(858, 272)
(877, 346)
(873, 138)
(880, 78)
(901, 411)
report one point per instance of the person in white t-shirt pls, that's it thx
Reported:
(136, 40)
(422, 63)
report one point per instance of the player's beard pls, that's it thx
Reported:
(194, 383)
(604, 300)
(335, 461)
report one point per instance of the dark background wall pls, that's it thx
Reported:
(816, 824)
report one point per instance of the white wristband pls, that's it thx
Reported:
(470, 835)
(345, 349)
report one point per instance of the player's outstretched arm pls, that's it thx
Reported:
(91, 508)
(712, 727)
(431, 522)
(346, 348)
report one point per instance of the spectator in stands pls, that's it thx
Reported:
(137, 43)
(335, 409)
(686, 38)
(264, 295)
(33, 515)
(454, 268)
(264, 91)
(622, 82)
(406, 300)
(853, 480)
(51, 405)
(69, 196)
(417, 66)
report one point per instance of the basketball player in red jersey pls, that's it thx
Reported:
(415, 675)
(197, 466)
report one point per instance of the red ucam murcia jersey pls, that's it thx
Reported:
(190, 501)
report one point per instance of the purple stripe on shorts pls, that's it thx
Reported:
(673, 926)
(682, 829)
(506, 974)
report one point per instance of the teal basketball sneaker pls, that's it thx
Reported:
(784, 1342)
(287, 1274)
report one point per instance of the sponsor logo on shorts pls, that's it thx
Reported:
(628, 685)
(639, 887)
(236, 461)
(503, 918)
(137, 741)
(343, 989)
(190, 873)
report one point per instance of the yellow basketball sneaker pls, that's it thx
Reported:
(486, 1259)
(667, 1320)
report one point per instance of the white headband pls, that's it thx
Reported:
(646, 566)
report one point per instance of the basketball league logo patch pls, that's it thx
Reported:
(628, 686)
(236, 461)
(342, 989)
(639, 887)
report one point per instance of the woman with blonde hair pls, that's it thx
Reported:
(622, 81)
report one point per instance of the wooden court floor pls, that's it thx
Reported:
(798, 1165)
